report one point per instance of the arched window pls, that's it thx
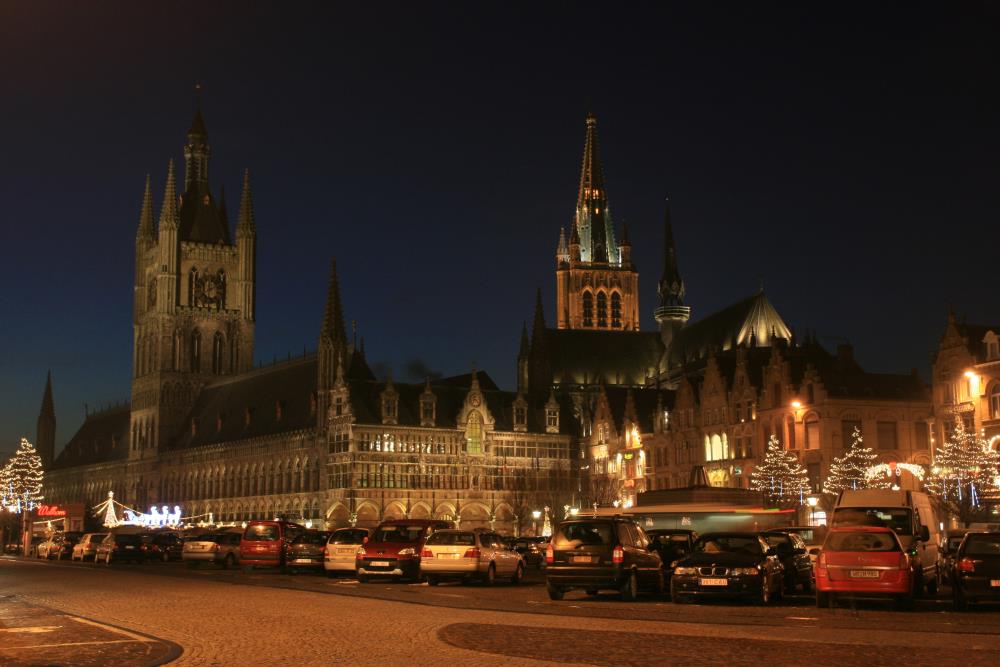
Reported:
(602, 310)
(218, 350)
(616, 310)
(588, 309)
(995, 401)
(474, 433)
(195, 351)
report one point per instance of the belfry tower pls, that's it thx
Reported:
(597, 286)
(193, 306)
(672, 314)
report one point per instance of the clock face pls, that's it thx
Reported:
(476, 400)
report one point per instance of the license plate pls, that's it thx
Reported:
(302, 560)
(707, 581)
(380, 563)
(348, 550)
(994, 582)
(448, 556)
(130, 547)
(580, 559)
(865, 574)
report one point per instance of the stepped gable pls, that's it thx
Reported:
(578, 356)
(645, 401)
(220, 411)
(103, 437)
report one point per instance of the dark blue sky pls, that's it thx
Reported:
(847, 155)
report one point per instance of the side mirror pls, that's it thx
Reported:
(925, 534)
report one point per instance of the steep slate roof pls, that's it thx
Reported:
(202, 222)
(612, 357)
(974, 333)
(260, 390)
(753, 317)
(102, 437)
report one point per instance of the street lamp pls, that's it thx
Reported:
(535, 516)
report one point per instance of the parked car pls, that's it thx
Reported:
(59, 546)
(737, 564)
(33, 547)
(121, 547)
(863, 561)
(791, 551)
(342, 548)
(87, 546)
(976, 575)
(12, 547)
(222, 549)
(672, 545)
(908, 513)
(394, 548)
(264, 543)
(469, 554)
(532, 550)
(307, 551)
(947, 550)
(813, 536)
(163, 546)
(602, 553)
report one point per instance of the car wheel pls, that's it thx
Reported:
(630, 589)
(164, 557)
(961, 603)
(331, 574)
(107, 559)
(677, 597)
(932, 585)
(661, 584)
(432, 580)
(822, 599)
(904, 602)
(555, 593)
(807, 585)
(229, 562)
(591, 592)
(918, 584)
(362, 578)
(518, 575)
(491, 575)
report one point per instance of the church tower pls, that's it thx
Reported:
(45, 433)
(332, 352)
(193, 305)
(672, 315)
(597, 286)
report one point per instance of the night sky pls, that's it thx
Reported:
(849, 157)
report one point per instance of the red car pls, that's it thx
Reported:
(394, 548)
(265, 543)
(861, 562)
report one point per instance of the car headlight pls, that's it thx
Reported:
(685, 570)
(407, 552)
(745, 571)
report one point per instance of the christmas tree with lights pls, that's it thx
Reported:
(850, 471)
(780, 476)
(965, 467)
(24, 477)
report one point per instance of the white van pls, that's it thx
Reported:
(909, 514)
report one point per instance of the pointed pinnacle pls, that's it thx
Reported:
(525, 345)
(539, 324)
(168, 213)
(333, 315)
(146, 230)
(245, 221)
(48, 407)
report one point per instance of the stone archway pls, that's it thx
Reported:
(338, 516)
(394, 510)
(474, 515)
(368, 515)
(420, 511)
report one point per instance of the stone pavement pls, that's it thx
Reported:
(35, 635)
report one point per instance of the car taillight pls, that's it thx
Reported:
(550, 556)
(360, 553)
(618, 556)
(322, 552)
(215, 547)
(472, 553)
(904, 562)
(426, 553)
(966, 565)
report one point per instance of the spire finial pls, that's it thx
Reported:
(333, 315)
(168, 213)
(246, 223)
(48, 407)
(146, 231)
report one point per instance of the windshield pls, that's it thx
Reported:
(897, 518)
(311, 538)
(576, 534)
(733, 544)
(399, 534)
(982, 545)
(348, 536)
(452, 539)
(206, 538)
(861, 541)
(261, 533)
(127, 539)
(98, 537)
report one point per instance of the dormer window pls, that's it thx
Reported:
(520, 416)
(428, 406)
(338, 406)
(390, 404)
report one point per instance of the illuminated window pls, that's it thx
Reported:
(602, 310)
(995, 402)
(474, 433)
(812, 432)
(616, 310)
(588, 309)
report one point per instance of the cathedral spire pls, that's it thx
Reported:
(146, 231)
(333, 316)
(168, 213)
(45, 435)
(245, 221)
(592, 213)
(671, 287)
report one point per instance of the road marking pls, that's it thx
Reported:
(111, 628)
(109, 641)
(40, 629)
(802, 618)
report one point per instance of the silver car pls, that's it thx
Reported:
(87, 546)
(469, 554)
(341, 549)
(222, 549)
